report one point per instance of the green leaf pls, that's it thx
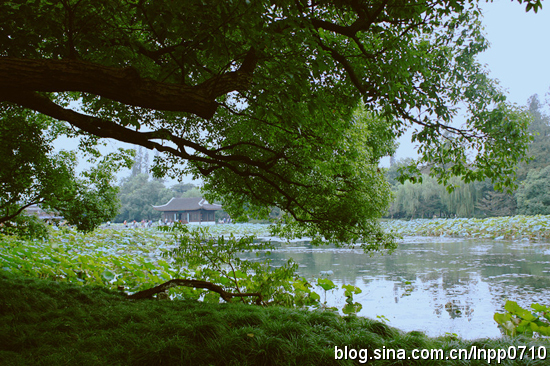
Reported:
(326, 284)
(352, 308)
(108, 275)
(350, 290)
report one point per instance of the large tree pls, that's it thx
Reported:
(259, 96)
(539, 148)
(32, 173)
(533, 195)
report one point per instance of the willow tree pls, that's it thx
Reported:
(258, 97)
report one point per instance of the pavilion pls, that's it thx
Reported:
(192, 210)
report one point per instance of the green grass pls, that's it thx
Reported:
(44, 322)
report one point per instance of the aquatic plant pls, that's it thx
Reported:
(137, 260)
(498, 228)
(518, 320)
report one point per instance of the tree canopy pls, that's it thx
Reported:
(32, 173)
(274, 102)
(138, 195)
(533, 195)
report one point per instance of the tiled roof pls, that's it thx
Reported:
(44, 215)
(188, 204)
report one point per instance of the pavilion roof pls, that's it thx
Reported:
(188, 204)
(43, 215)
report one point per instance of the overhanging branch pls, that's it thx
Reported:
(123, 85)
(238, 164)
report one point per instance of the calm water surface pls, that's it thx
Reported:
(433, 285)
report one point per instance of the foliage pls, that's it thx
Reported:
(418, 200)
(94, 199)
(104, 258)
(518, 320)
(539, 148)
(533, 195)
(427, 198)
(351, 307)
(270, 91)
(216, 260)
(137, 259)
(479, 199)
(497, 204)
(193, 192)
(180, 188)
(132, 259)
(514, 227)
(350, 189)
(26, 226)
(138, 194)
(461, 201)
(257, 230)
(33, 174)
(392, 173)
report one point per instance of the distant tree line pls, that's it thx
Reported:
(479, 199)
(139, 192)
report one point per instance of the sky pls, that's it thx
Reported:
(520, 48)
(519, 55)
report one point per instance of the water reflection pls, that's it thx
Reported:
(452, 286)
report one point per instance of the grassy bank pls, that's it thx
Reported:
(44, 322)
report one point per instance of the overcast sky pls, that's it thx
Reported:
(519, 56)
(520, 48)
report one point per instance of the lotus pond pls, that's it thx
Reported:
(449, 283)
(434, 285)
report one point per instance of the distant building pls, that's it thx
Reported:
(195, 210)
(41, 214)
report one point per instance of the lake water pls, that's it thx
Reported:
(433, 285)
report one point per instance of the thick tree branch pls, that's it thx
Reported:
(108, 129)
(347, 66)
(93, 125)
(102, 128)
(122, 84)
(366, 17)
